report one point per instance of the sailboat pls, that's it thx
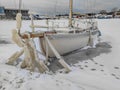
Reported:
(69, 39)
(54, 43)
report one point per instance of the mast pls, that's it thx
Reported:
(70, 13)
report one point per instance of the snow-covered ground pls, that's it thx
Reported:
(92, 69)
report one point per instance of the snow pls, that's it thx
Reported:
(92, 69)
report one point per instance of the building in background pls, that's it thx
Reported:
(11, 13)
(7, 13)
(2, 12)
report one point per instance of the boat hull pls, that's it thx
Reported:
(65, 43)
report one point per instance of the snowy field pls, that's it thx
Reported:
(92, 69)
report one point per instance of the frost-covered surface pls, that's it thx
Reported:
(92, 69)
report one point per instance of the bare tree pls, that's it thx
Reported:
(103, 12)
(115, 9)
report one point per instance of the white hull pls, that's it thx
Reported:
(65, 43)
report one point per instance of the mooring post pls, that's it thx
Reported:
(32, 23)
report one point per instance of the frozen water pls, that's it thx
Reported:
(92, 69)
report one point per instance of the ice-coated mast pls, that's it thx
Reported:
(70, 13)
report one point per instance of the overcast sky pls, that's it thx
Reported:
(62, 6)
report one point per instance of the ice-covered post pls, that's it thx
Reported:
(32, 23)
(19, 17)
(19, 21)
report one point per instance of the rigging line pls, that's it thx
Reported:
(86, 5)
(65, 8)
(87, 10)
(94, 8)
(90, 6)
(23, 5)
(15, 4)
(94, 5)
(56, 2)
